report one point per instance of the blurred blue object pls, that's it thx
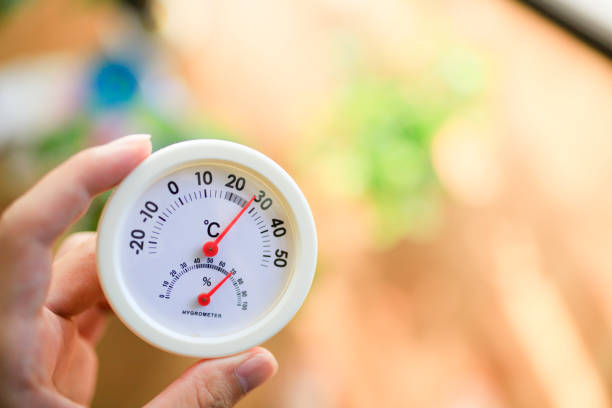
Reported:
(114, 84)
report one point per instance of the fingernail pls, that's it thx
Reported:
(130, 139)
(256, 370)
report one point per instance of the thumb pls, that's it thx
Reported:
(218, 383)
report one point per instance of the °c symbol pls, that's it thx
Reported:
(211, 228)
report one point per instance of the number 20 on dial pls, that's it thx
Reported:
(207, 248)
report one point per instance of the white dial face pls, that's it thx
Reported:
(192, 270)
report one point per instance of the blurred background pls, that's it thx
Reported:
(456, 155)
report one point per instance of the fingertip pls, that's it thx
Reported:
(256, 370)
(269, 354)
(118, 158)
(139, 144)
(135, 138)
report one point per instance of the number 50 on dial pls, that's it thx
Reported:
(207, 248)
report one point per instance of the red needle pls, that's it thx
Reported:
(204, 298)
(212, 247)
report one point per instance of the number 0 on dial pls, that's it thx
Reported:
(206, 249)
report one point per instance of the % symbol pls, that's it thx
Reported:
(206, 281)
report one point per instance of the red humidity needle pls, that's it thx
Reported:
(204, 298)
(211, 248)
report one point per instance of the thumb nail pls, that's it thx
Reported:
(256, 370)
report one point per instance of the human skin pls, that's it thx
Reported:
(53, 311)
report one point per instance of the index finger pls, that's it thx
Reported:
(63, 195)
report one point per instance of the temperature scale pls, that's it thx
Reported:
(206, 249)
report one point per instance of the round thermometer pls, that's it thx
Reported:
(206, 249)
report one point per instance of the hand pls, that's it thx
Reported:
(52, 310)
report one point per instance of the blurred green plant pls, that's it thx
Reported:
(7, 6)
(377, 144)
